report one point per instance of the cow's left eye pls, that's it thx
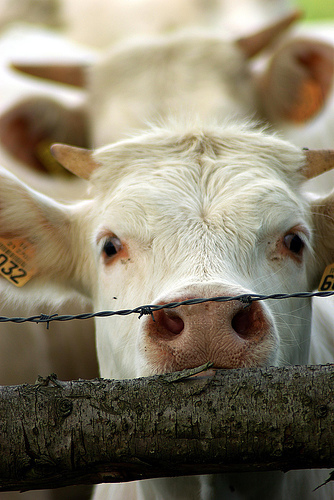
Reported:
(294, 243)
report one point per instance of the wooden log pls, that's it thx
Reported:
(58, 433)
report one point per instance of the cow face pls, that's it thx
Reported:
(201, 215)
(175, 214)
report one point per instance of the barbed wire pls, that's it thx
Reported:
(246, 299)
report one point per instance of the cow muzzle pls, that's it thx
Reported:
(229, 334)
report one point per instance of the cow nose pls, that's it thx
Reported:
(225, 333)
(168, 323)
(247, 322)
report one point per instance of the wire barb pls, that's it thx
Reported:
(45, 318)
(246, 300)
(145, 311)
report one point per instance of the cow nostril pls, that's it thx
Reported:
(250, 321)
(171, 322)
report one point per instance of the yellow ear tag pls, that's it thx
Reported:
(15, 260)
(327, 281)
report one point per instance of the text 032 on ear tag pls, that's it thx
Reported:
(15, 260)
(327, 281)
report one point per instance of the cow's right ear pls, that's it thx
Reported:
(79, 161)
(29, 128)
(297, 82)
(42, 238)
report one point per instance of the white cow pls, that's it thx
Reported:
(178, 212)
(213, 89)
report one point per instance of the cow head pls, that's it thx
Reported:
(178, 213)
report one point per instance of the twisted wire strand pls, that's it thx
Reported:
(246, 299)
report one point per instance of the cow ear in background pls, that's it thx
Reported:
(297, 81)
(253, 44)
(68, 74)
(29, 128)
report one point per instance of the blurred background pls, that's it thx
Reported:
(317, 9)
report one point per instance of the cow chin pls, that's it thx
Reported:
(228, 334)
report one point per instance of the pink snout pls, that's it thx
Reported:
(229, 334)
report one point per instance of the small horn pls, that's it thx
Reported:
(253, 44)
(79, 161)
(318, 161)
(70, 74)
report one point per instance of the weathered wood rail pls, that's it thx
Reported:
(58, 433)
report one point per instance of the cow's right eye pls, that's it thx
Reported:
(111, 247)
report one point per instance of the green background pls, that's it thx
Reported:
(317, 9)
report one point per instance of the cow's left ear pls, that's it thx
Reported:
(322, 210)
(297, 82)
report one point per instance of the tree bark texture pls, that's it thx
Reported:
(58, 433)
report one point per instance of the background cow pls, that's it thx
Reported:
(141, 80)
